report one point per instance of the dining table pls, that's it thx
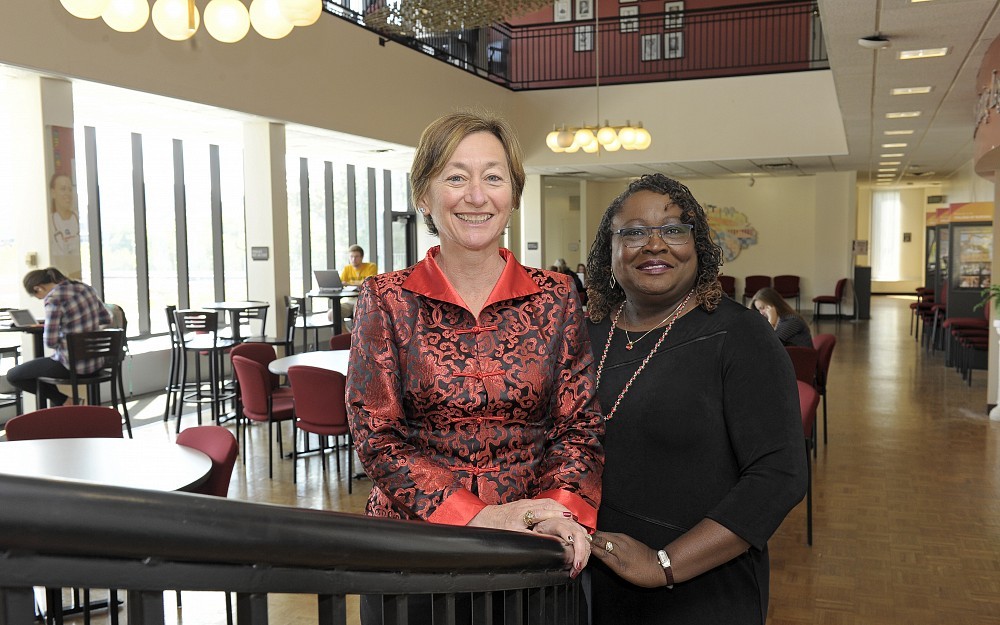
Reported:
(234, 309)
(132, 463)
(335, 296)
(35, 331)
(335, 360)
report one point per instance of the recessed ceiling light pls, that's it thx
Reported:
(894, 145)
(898, 132)
(884, 169)
(886, 163)
(920, 0)
(910, 90)
(893, 155)
(902, 114)
(925, 53)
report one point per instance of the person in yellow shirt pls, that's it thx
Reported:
(354, 274)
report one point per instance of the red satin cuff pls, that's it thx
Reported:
(586, 515)
(457, 509)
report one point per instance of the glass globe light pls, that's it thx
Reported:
(552, 140)
(642, 138)
(607, 135)
(565, 139)
(85, 9)
(171, 19)
(614, 146)
(627, 137)
(301, 12)
(267, 20)
(227, 20)
(592, 147)
(584, 136)
(572, 148)
(126, 16)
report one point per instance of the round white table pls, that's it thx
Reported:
(133, 463)
(335, 360)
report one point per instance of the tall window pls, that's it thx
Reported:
(886, 236)
(114, 171)
(161, 228)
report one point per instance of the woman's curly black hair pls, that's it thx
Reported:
(602, 298)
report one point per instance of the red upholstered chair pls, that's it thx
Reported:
(221, 446)
(341, 341)
(808, 401)
(728, 286)
(261, 403)
(838, 294)
(805, 360)
(66, 422)
(923, 293)
(824, 344)
(752, 284)
(321, 408)
(968, 336)
(788, 287)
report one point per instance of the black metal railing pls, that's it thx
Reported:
(782, 36)
(65, 535)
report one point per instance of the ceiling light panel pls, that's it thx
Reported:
(889, 163)
(894, 155)
(894, 145)
(902, 115)
(924, 53)
(910, 90)
(897, 132)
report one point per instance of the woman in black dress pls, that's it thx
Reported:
(704, 443)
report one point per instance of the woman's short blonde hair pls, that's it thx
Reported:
(439, 141)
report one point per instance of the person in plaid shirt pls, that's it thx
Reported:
(70, 307)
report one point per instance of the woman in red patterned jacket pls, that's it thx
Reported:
(471, 386)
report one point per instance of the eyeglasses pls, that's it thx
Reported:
(671, 234)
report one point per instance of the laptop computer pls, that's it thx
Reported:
(328, 281)
(22, 318)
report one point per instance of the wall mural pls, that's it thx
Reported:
(731, 229)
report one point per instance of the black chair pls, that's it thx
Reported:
(120, 321)
(307, 321)
(198, 334)
(174, 387)
(104, 345)
(10, 395)
(287, 342)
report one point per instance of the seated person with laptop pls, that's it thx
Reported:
(354, 274)
(70, 307)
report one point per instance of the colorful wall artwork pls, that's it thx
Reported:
(731, 229)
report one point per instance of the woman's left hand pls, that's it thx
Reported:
(574, 538)
(630, 559)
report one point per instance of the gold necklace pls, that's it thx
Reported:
(628, 340)
(607, 346)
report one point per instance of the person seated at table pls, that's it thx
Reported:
(792, 329)
(70, 307)
(353, 274)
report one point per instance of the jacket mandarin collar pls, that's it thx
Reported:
(428, 280)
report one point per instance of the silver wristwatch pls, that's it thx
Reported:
(664, 559)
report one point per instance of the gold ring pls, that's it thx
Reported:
(609, 546)
(529, 518)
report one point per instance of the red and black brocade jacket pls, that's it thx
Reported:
(450, 413)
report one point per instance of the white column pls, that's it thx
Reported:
(266, 203)
(532, 224)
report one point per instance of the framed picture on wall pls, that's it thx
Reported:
(674, 15)
(649, 49)
(583, 38)
(562, 10)
(584, 9)
(673, 45)
(628, 19)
